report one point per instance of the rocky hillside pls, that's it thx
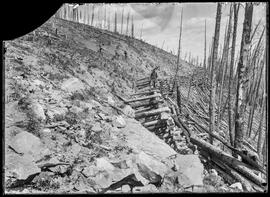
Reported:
(63, 129)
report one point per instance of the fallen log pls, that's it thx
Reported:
(239, 166)
(152, 112)
(229, 160)
(253, 163)
(144, 98)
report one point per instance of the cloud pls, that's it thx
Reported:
(160, 14)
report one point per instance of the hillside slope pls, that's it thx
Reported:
(61, 133)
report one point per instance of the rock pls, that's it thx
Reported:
(56, 112)
(46, 130)
(39, 83)
(125, 189)
(104, 164)
(72, 85)
(119, 122)
(21, 166)
(27, 143)
(82, 133)
(38, 111)
(110, 100)
(213, 171)
(237, 186)
(120, 164)
(190, 167)
(165, 116)
(75, 149)
(146, 189)
(129, 111)
(90, 171)
(86, 105)
(150, 168)
(96, 127)
(76, 109)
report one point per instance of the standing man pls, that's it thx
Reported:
(125, 53)
(153, 78)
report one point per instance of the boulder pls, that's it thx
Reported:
(150, 168)
(165, 116)
(72, 85)
(190, 167)
(27, 143)
(21, 167)
(110, 100)
(213, 171)
(129, 111)
(90, 171)
(75, 149)
(237, 186)
(56, 112)
(119, 122)
(76, 110)
(96, 127)
(104, 164)
(125, 189)
(146, 189)
(38, 111)
(46, 130)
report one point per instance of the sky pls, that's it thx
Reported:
(160, 23)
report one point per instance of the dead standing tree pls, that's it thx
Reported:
(122, 19)
(230, 111)
(115, 22)
(127, 24)
(204, 61)
(179, 51)
(213, 74)
(241, 81)
(93, 15)
(224, 60)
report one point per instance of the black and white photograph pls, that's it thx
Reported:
(138, 98)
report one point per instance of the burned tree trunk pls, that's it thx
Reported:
(179, 50)
(204, 61)
(122, 19)
(212, 74)
(224, 61)
(235, 11)
(241, 81)
(115, 22)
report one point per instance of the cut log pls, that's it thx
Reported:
(155, 127)
(145, 109)
(153, 112)
(143, 79)
(144, 98)
(148, 104)
(143, 83)
(151, 123)
(145, 92)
